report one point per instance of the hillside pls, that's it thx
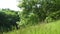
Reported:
(48, 28)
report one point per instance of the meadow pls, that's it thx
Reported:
(44, 28)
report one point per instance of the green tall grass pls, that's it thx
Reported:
(48, 28)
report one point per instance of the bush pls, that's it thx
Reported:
(8, 19)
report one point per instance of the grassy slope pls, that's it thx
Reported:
(48, 28)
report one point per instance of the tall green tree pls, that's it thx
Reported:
(40, 8)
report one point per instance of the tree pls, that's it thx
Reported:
(40, 8)
(8, 19)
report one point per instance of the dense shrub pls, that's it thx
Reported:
(8, 19)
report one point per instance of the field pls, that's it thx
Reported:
(44, 28)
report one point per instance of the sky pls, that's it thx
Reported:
(11, 4)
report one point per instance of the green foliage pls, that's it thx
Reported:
(8, 19)
(37, 11)
(28, 19)
(53, 16)
(40, 8)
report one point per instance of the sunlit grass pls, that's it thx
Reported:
(48, 28)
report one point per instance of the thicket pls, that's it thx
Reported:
(37, 11)
(8, 19)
